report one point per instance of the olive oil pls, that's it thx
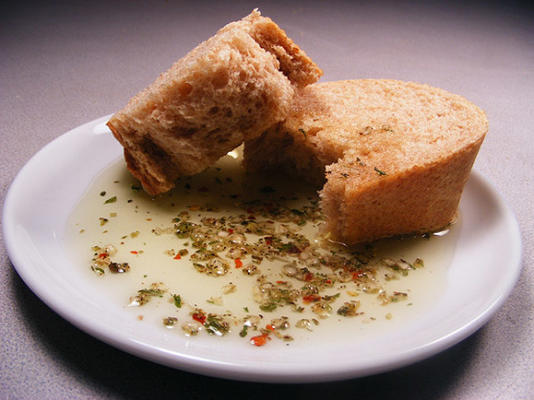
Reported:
(150, 236)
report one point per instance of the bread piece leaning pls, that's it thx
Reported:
(228, 89)
(395, 155)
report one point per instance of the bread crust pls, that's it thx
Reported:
(228, 89)
(395, 155)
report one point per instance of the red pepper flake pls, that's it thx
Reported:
(238, 263)
(230, 231)
(328, 281)
(270, 327)
(200, 317)
(259, 340)
(134, 252)
(311, 298)
(281, 282)
(177, 256)
(308, 277)
(102, 255)
(268, 240)
(357, 275)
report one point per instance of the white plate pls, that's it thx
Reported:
(484, 269)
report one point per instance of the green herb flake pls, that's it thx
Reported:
(244, 331)
(97, 270)
(331, 298)
(183, 229)
(268, 307)
(215, 325)
(177, 300)
(349, 309)
(152, 292)
(111, 200)
(380, 172)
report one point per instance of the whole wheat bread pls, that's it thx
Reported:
(229, 88)
(395, 155)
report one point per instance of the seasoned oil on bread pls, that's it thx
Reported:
(228, 89)
(394, 155)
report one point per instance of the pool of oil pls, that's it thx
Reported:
(115, 212)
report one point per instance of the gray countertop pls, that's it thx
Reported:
(64, 64)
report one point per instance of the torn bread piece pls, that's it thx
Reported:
(228, 89)
(395, 156)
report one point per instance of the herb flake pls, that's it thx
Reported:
(111, 200)
(380, 172)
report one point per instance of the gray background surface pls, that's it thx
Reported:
(66, 63)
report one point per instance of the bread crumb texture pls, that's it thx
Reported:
(228, 89)
(395, 155)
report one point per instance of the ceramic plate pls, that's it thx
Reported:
(484, 268)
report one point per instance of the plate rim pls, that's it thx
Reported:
(216, 368)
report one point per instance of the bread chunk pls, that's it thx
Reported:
(395, 156)
(228, 89)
